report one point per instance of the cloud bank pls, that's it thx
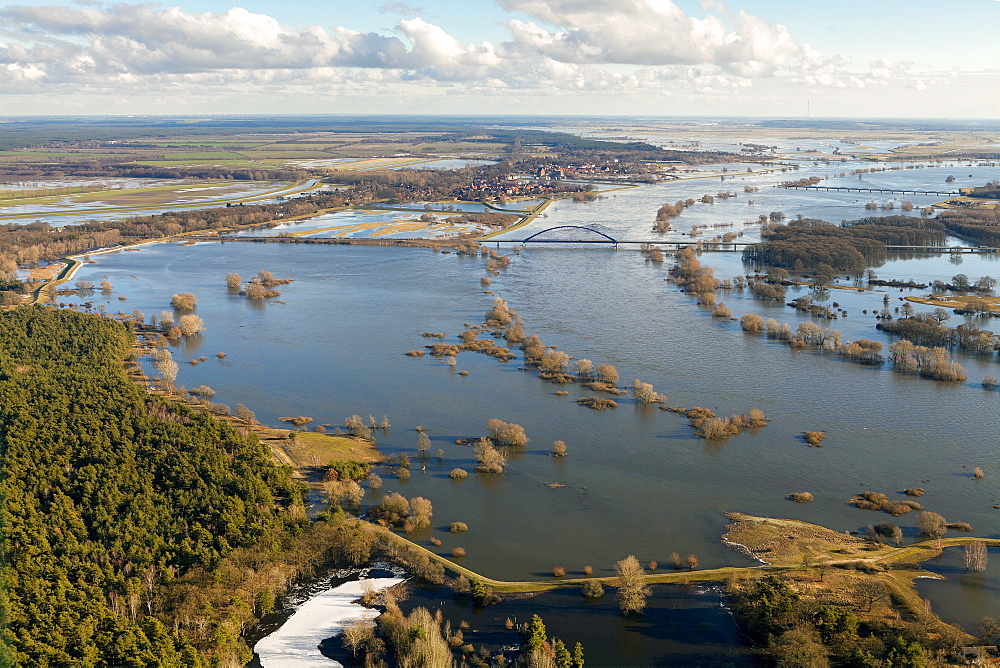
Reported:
(557, 46)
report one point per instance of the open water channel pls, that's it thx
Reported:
(636, 480)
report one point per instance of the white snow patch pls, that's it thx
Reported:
(745, 550)
(296, 643)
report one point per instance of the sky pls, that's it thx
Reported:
(765, 58)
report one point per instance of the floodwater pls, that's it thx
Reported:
(963, 598)
(629, 214)
(683, 625)
(636, 480)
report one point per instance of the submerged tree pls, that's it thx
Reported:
(184, 301)
(489, 458)
(507, 433)
(608, 374)
(932, 524)
(191, 325)
(975, 556)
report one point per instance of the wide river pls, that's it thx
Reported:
(636, 480)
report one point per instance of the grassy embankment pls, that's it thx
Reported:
(537, 211)
(44, 291)
(958, 301)
(783, 541)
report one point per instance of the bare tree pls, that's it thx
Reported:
(358, 634)
(356, 427)
(184, 301)
(555, 361)
(245, 414)
(583, 368)
(168, 369)
(346, 493)
(191, 325)
(643, 393)
(421, 512)
(751, 322)
(507, 433)
(631, 583)
(489, 458)
(870, 592)
(256, 291)
(233, 281)
(932, 524)
(607, 374)
(975, 556)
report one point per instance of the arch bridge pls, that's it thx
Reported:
(602, 238)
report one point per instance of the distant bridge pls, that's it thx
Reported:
(604, 238)
(875, 190)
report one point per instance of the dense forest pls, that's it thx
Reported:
(979, 225)
(109, 493)
(852, 246)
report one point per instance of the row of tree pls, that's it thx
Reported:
(926, 329)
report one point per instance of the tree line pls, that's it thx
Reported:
(979, 225)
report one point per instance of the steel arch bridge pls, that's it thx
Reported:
(605, 239)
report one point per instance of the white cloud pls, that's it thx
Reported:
(559, 47)
(648, 32)
(144, 39)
